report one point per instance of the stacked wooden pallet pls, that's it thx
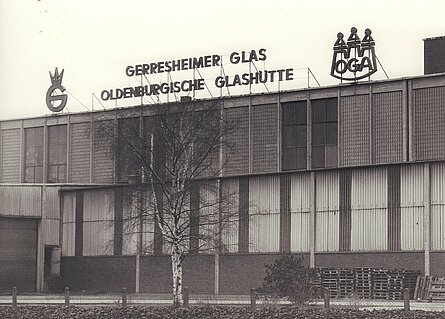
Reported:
(430, 288)
(329, 281)
(363, 282)
(380, 283)
(396, 284)
(345, 282)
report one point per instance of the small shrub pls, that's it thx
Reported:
(287, 277)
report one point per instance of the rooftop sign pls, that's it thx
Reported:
(51, 96)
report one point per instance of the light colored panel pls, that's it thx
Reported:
(52, 203)
(230, 217)
(24, 201)
(69, 224)
(299, 231)
(369, 229)
(299, 200)
(264, 194)
(411, 185)
(327, 231)
(10, 156)
(411, 231)
(369, 188)
(438, 183)
(327, 191)
(50, 232)
(438, 227)
(264, 235)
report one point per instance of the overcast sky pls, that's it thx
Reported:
(94, 41)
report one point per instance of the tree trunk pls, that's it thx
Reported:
(177, 276)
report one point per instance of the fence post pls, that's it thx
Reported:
(406, 299)
(186, 296)
(14, 296)
(252, 299)
(326, 299)
(124, 297)
(67, 296)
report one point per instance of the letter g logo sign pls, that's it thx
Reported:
(51, 98)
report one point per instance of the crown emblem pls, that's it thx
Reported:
(56, 79)
(354, 59)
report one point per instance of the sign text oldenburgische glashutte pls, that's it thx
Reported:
(189, 85)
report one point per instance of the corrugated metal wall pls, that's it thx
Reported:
(354, 130)
(327, 211)
(428, 122)
(103, 158)
(264, 138)
(230, 215)
(438, 206)
(264, 214)
(236, 159)
(369, 209)
(387, 128)
(23, 201)
(80, 150)
(130, 224)
(209, 216)
(411, 202)
(10, 156)
(299, 206)
(98, 226)
(51, 216)
(69, 224)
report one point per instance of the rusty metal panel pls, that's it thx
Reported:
(411, 232)
(438, 227)
(327, 191)
(10, 156)
(103, 157)
(369, 229)
(51, 209)
(428, 119)
(80, 150)
(69, 224)
(299, 231)
(411, 185)
(327, 230)
(230, 216)
(236, 153)
(354, 130)
(98, 222)
(264, 138)
(50, 232)
(24, 201)
(264, 213)
(369, 188)
(387, 127)
(299, 200)
(438, 183)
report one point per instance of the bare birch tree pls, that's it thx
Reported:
(174, 155)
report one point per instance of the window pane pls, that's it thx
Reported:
(38, 156)
(301, 159)
(289, 135)
(29, 175)
(288, 113)
(53, 135)
(62, 154)
(30, 156)
(331, 110)
(38, 174)
(38, 131)
(288, 161)
(331, 156)
(52, 174)
(62, 174)
(319, 134)
(62, 134)
(318, 111)
(30, 137)
(318, 156)
(53, 155)
(331, 133)
(301, 138)
(300, 113)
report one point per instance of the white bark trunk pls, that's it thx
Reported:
(177, 276)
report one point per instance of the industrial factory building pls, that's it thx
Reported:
(351, 175)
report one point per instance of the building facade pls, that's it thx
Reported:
(347, 176)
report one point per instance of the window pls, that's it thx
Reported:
(57, 154)
(324, 133)
(294, 135)
(34, 155)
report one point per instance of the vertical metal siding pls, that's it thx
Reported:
(412, 228)
(429, 116)
(369, 188)
(264, 213)
(10, 156)
(438, 183)
(80, 152)
(130, 224)
(69, 224)
(438, 227)
(209, 215)
(236, 155)
(24, 201)
(299, 207)
(327, 191)
(98, 217)
(354, 130)
(387, 130)
(411, 185)
(51, 210)
(230, 204)
(264, 138)
(369, 229)
(103, 158)
(327, 231)
(50, 232)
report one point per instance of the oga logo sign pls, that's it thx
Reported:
(354, 59)
(55, 101)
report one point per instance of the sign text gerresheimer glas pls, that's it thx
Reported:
(206, 61)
